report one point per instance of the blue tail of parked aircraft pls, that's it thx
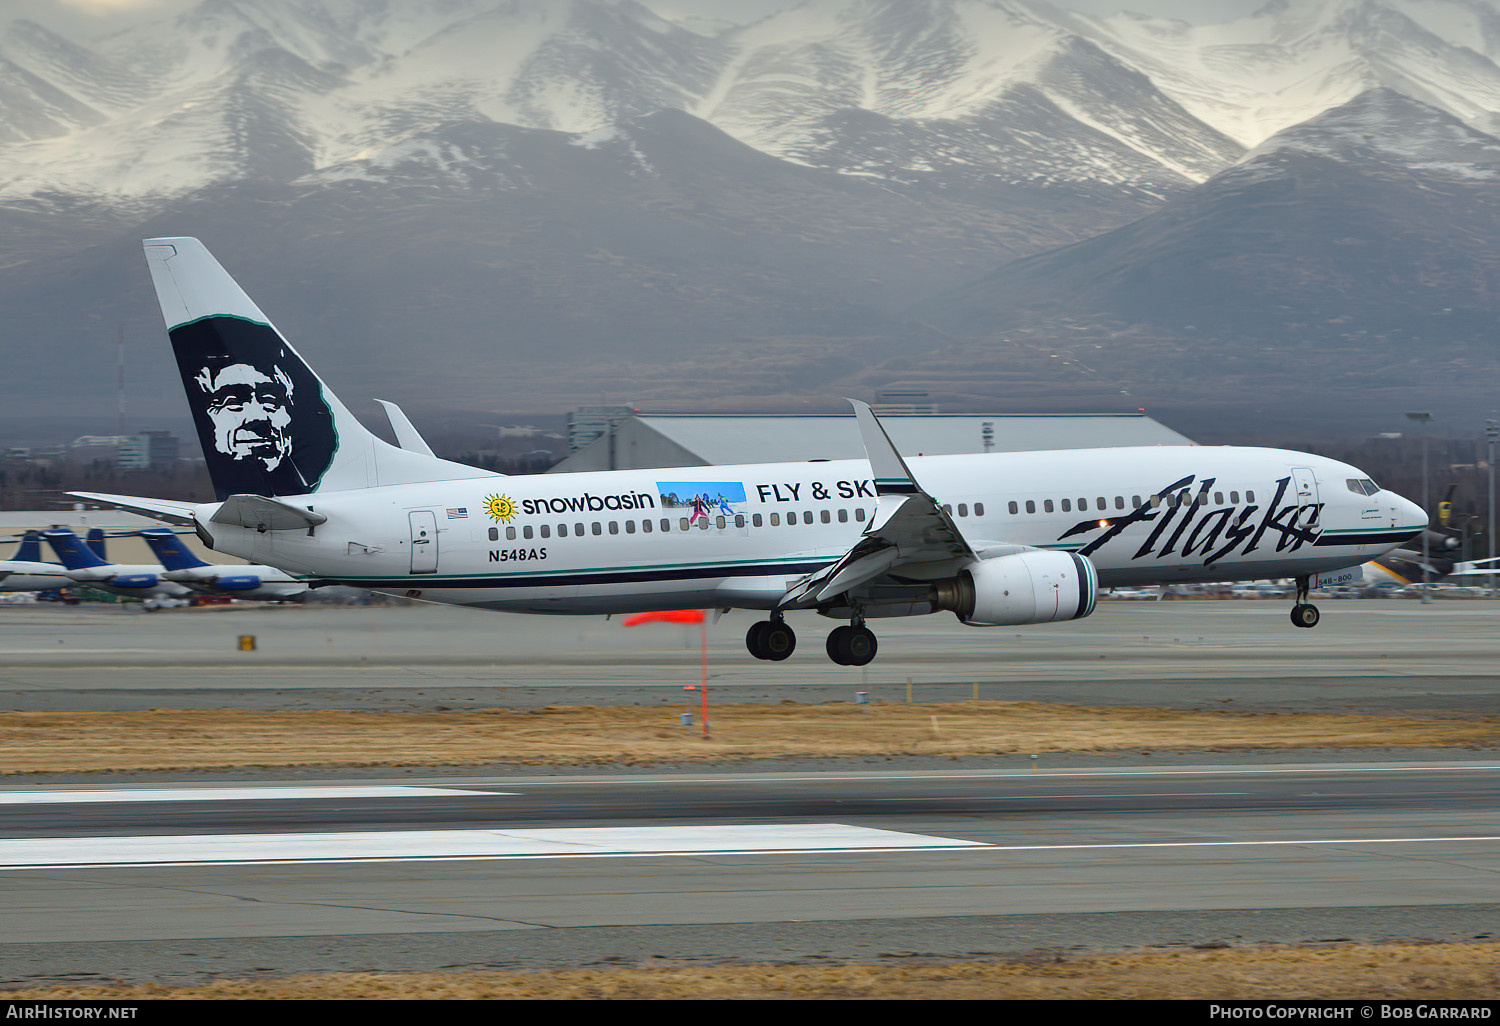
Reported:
(75, 555)
(170, 549)
(30, 548)
(96, 543)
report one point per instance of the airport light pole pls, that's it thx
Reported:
(1491, 433)
(1424, 419)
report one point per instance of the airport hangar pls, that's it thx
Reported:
(628, 440)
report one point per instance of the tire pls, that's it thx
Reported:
(780, 641)
(837, 646)
(1305, 615)
(860, 646)
(755, 639)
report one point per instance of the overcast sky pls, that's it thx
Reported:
(90, 16)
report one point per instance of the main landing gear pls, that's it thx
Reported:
(774, 639)
(771, 639)
(1304, 613)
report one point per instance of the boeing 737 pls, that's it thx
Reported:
(238, 580)
(997, 539)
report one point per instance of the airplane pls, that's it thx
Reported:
(240, 580)
(998, 539)
(26, 571)
(83, 565)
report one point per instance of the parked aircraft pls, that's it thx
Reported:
(26, 571)
(998, 539)
(240, 580)
(84, 566)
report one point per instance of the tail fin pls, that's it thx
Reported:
(96, 543)
(75, 555)
(30, 548)
(169, 548)
(267, 423)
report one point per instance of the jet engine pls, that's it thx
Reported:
(237, 583)
(133, 580)
(1025, 587)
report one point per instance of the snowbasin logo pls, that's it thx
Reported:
(500, 508)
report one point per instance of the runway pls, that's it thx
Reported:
(176, 878)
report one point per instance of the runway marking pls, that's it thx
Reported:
(428, 845)
(230, 794)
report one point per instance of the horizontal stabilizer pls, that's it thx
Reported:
(260, 513)
(160, 509)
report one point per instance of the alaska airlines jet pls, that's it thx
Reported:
(997, 539)
(238, 580)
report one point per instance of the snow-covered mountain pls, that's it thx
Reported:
(952, 93)
(577, 177)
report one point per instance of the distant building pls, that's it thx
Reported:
(648, 441)
(147, 449)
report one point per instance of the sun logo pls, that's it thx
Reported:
(500, 507)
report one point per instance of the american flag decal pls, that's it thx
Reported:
(458, 514)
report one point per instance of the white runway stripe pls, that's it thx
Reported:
(403, 845)
(229, 794)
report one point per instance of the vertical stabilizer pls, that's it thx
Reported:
(96, 544)
(267, 423)
(170, 549)
(30, 548)
(75, 555)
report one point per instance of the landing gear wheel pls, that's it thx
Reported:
(1305, 614)
(755, 639)
(851, 646)
(770, 639)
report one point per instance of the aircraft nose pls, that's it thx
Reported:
(1409, 513)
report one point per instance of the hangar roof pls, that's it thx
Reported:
(668, 440)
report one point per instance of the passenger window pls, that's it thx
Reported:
(684, 523)
(719, 522)
(757, 520)
(645, 527)
(824, 516)
(1119, 502)
(666, 526)
(843, 516)
(1014, 509)
(1047, 505)
(578, 529)
(1218, 498)
(1136, 501)
(598, 528)
(1234, 498)
(1031, 505)
(494, 534)
(1083, 505)
(1067, 506)
(629, 527)
(1102, 503)
(1249, 496)
(526, 532)
(859, 514)
(963, 509)
(739, 520)
(614, 527)
(775, 519)
(807, 517)
(562, 530)
(979, 509)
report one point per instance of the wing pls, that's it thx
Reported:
(909, 526)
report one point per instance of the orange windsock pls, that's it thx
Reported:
(667, 616)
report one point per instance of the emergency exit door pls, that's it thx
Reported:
(424, 542)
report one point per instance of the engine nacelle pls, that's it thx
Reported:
(237, 583)
(1026, 587)
(133, 580)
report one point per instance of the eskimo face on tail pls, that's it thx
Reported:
(260, 413)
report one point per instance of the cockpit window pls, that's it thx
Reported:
(1362, 486)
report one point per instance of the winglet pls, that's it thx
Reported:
(892, 476)
(407, 436)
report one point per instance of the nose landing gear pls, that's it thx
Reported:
(1304, 613)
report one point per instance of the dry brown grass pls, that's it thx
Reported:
(1431, 972)
(168, 739)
